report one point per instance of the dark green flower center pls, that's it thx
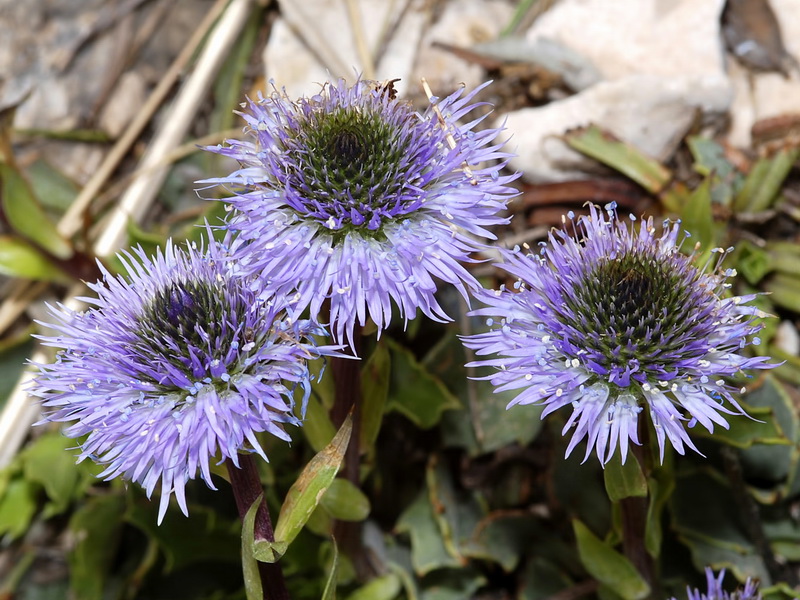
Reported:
(348, 146)
(349, 167)
(189, 324)
(633, 307)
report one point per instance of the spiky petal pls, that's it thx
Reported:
(715, 591)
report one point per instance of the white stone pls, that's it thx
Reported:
(662, 61)
(651, 112)
(764, 95)
(787, 338)
(670, 38)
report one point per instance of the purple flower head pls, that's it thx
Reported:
(352, 197)
(611, 319)
(715, 591)
(175, 365)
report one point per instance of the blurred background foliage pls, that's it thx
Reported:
(460, 497)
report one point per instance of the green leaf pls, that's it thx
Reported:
(745, 432)
(764, 182)
(661, 489)
(329, 593)
(621, 156)
(375, 378)
(706, 520)
(503, 539)
(50, 462)
(17, 507)
(784, 290)
(783, 257)
(428, 552)
(697, 217)
(386, 587)
(452, 584)
(456, 514)
(345, 502)
(149, 241)
(53, 189)
(202, 536)
(252, 578)
(416, 393)
(97, 527)
(709, 158)
(624, 480)
(753, 262)
(542, 579)
(13, 353)
(306, 493)
(609, 566)
(317, 426)
(26, 216)
(20, 259)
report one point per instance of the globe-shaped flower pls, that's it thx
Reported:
(611, 319)
(715, 591)
(173, 366)
(353, 198)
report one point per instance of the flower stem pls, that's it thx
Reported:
(347, 398)
(634, 519)
(247, 487)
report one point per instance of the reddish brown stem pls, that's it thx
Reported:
(634, 519)
(246, 484)
(347, 387)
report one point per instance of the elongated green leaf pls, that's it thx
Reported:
(661, 489)
(624, 481)
(13, 352)
(26, 216)
(764, 181)
(252, 579)
(306, 493)
(621, 156)
(609, 566)
(329, 593)
(697, 217)
(20, 259)
(51, 187)
(374, 392)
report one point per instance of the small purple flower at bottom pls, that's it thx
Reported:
(715, 591)
(175, 365)
(610, 320)
(351, 199)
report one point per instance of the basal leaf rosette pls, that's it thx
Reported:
(353, 198)
(610, 318)
(175, 365)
